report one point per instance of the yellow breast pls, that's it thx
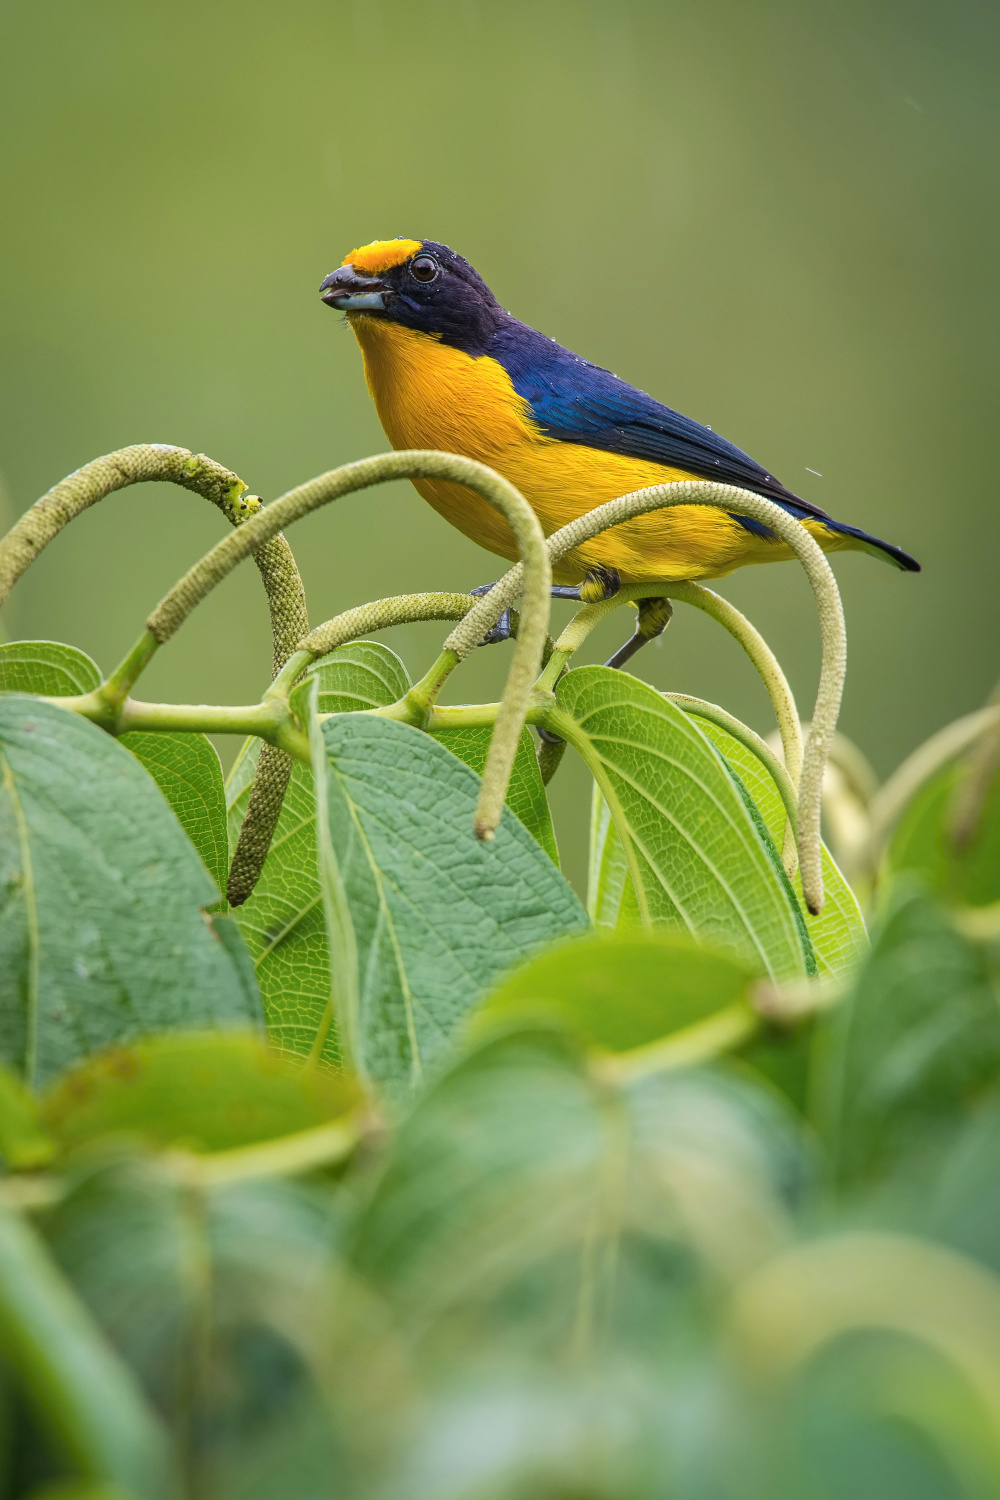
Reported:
(429, 395)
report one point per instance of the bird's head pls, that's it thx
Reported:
(418, 283)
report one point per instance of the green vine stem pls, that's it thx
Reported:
(831, 619)
(115, 471)
(285, 598)
(286, 601)
(380, 614)
(753, 643)
(174, 609)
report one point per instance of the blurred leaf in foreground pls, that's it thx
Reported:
(209, 1091)
(618, 992)
(924, 844)
(906, 1056)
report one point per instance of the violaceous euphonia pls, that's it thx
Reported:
(448, 368)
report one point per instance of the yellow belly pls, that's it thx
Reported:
(429, 395)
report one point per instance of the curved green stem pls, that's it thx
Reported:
(831, 618)
(115, 471)
(724, 1031)
(380, 614)
(171, 612)
(282, 584)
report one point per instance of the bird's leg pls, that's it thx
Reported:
(654, 617)
(501, 630)
(598, 585)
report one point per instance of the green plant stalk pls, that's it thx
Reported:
(269, 720)
(285, 1156)
(727, 1030)
(115, 471)
(171, 612)
(282, 584)
(830, 610)
(404, 609)
(80, 1388)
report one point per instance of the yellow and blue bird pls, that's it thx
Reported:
(449, 368)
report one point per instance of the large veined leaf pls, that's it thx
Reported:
(424, 917)
(184, 766)
(187, 770)
(838, 934)
(282, 921)
(221, 1299)
(698, 862)
(526, 793)
(102, 934)
(48, 668)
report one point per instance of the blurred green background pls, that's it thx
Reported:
(781, 218)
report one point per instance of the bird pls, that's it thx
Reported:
(449, 368)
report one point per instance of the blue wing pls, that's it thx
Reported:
(577, 402)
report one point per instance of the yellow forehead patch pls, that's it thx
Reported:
(382, 255)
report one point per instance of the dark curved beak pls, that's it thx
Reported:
(345, 290)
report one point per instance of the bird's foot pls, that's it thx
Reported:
(503, 629)
(598, 585)
(654, 617)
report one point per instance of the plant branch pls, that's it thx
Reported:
(115, 471)
(171, 612)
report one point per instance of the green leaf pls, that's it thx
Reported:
(838, 934)
(697, 861)
(81, 1390)
(518, 1160)
(283, 922)
(220, 1299)
(906, 1056)
(360, 675)
(101, 932)
(618, 992)
(47, 668)
(205, 1091)
(526, 794)
(426, 915)
(922, 845)
(187, 770)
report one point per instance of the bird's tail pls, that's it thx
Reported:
(884, 551)
(862, 540)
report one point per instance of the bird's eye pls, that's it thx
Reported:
(424, 268)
